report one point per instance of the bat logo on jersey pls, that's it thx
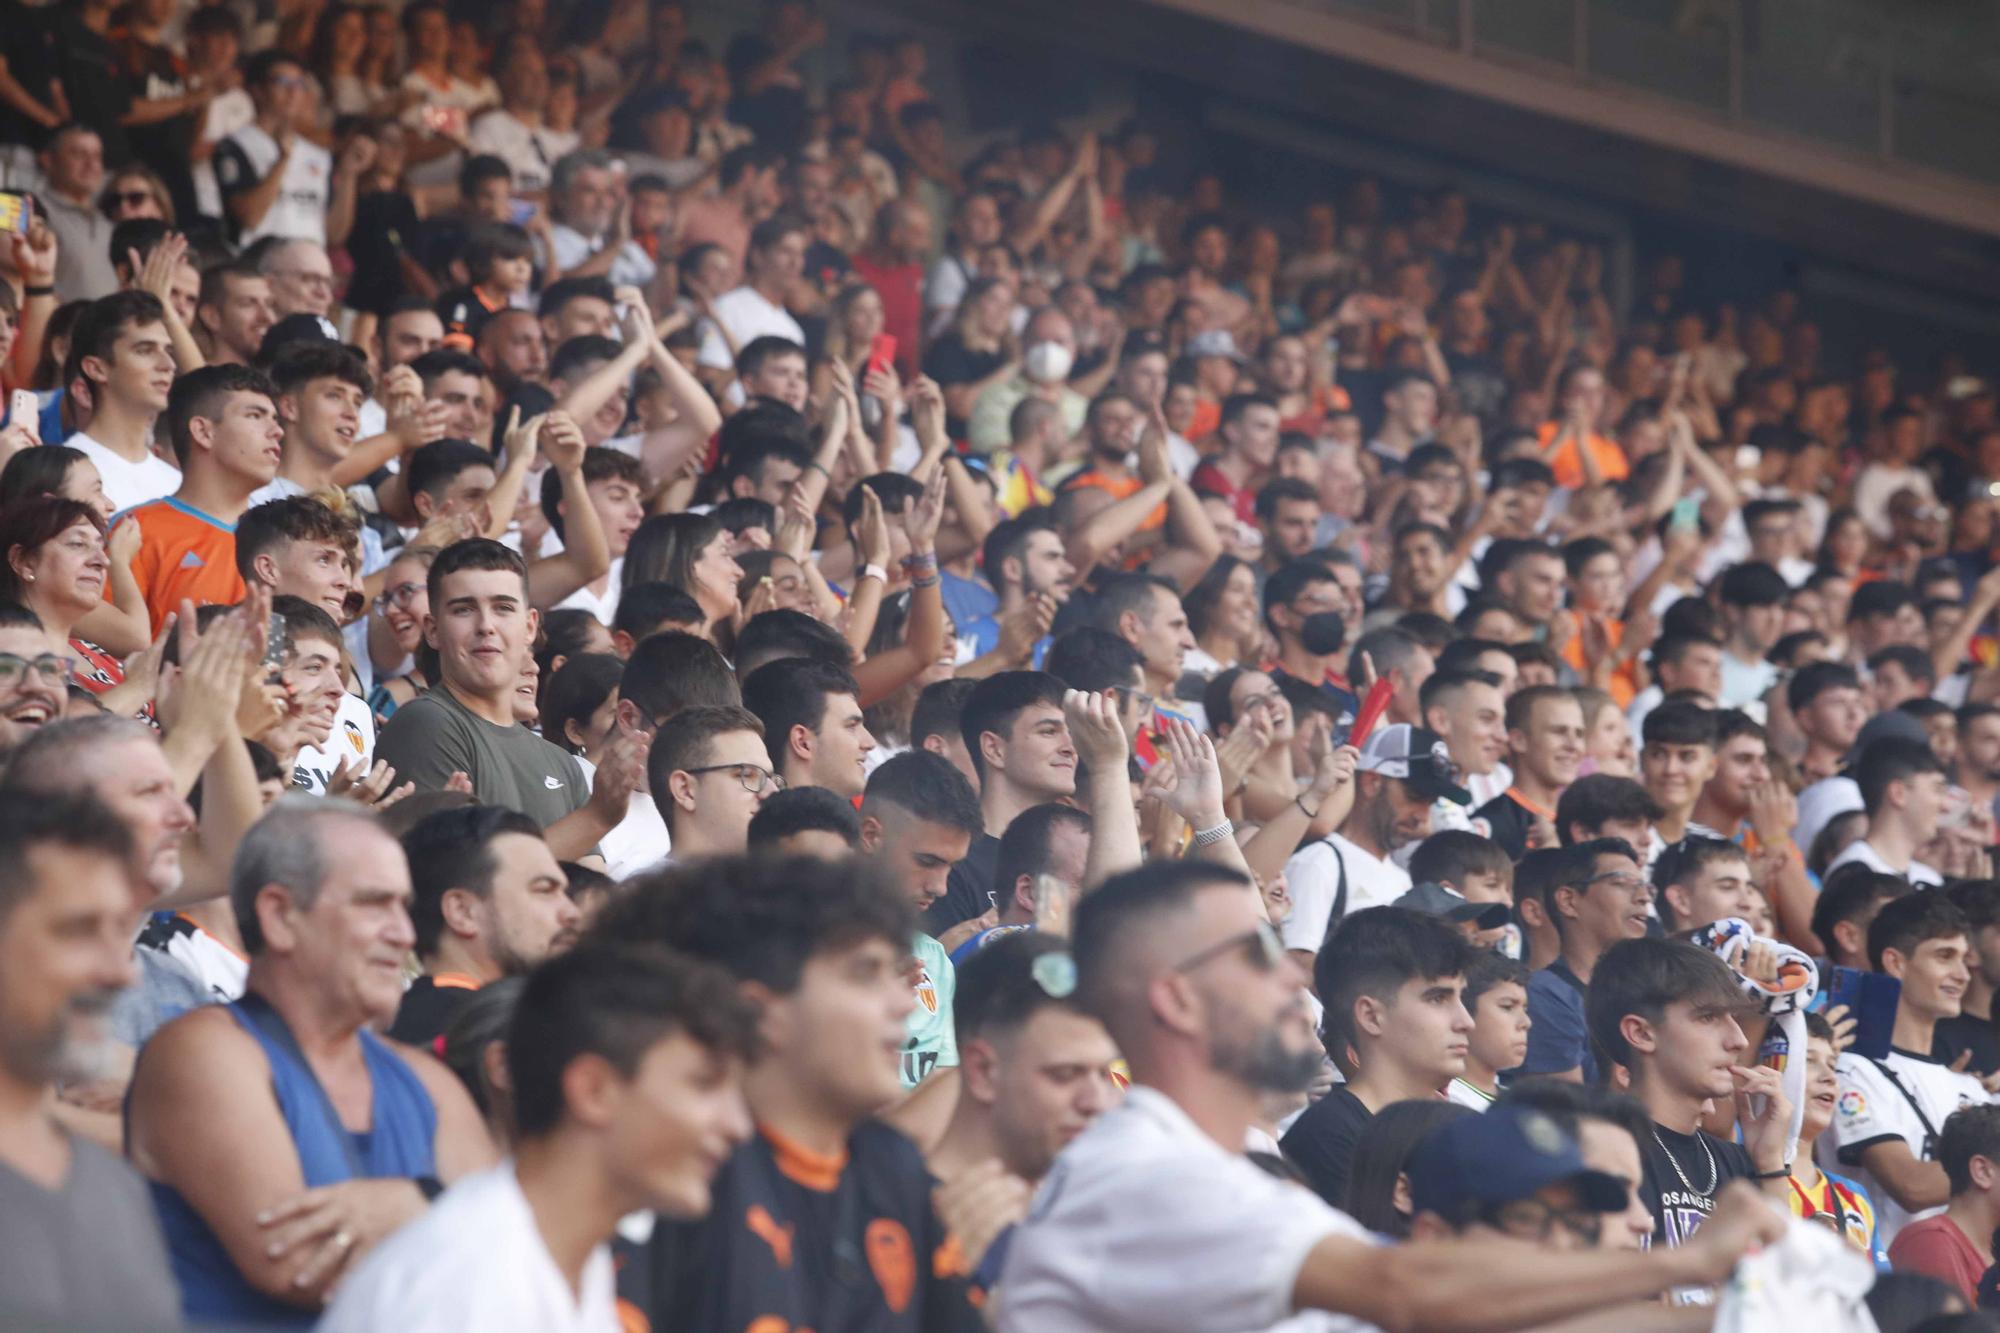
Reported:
(893, 1261)
(926, 990)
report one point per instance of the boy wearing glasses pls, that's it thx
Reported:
(1667, 1011)
(1393, 982)
(1596, 901)
(709, 773)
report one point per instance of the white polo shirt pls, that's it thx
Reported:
(1313, 877)
(475, 1259)
(1874, 1107)
(1147, 1225)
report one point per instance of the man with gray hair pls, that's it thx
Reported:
(267, 1201)
(300, 274)
(592, 236)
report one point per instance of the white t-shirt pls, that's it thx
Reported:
(1872, 1108)
(1313, 876)
(532, 153)
(1745, 683)
(1147, 1225)
(475, 1259)
(1861, 851)
(746, 314)
(228, 113)
(127, 484)
(299, 212)
(353, 738)
(583, 599)
(1461, 1093)
(640, 841)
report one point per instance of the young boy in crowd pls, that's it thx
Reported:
(1956, 1245)
(1903, 791)
(1890, 1110)
(1476, 870)
(1699, 881)
(1676, 759)
(1496, 995)
(1393, 983)
(1847, 905)
(1822, 1196)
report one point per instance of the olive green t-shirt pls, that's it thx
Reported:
(430, 738)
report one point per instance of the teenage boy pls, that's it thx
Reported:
(321, 387)
(1699, 881)
(1666, 1011)
(1887, 1119)
(1680, 662)
(1496, 995)
(1753, 597)
(824, 1217)
(1956, 1245)
(1676, 759)
(707, 771)
(1827, 703)
(1401, 773)
(1903, 792)
(1597, 899)
(225, 432)
(1972, 1033)
(1822, 1196)
(615, 485)
(483, 629)
(1051, 840)
(1392, 981)
(625, 1085)
(1599, 805)
(120, 347)
(490, 902)
(1021, 750)
(1467, 708)
(1475, 870)
(812, 724)
(1846, 909)
(918, 817)
(1545, 737)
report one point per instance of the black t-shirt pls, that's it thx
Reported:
(1509, 822)
(795, 1242)
(427, 1010)
(1967, 1032)
(153, 73)
(29, 45)
(93, 79)
(1321, 1142)
(949, 361)
(966, 888)
(1681, 1176)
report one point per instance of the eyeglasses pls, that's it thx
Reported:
(1267, 949)
(1623, 880)
(402, 596)
(51, 667)
(753, 777)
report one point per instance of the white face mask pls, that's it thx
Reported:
(1047, 363)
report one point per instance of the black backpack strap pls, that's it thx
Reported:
(1896, 1082)
(1339, 910)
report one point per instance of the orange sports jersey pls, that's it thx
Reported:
(183, 553)
(1567, 462)
(1623, 687)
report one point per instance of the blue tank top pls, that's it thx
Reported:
(399, 1143)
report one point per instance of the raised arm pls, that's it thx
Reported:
(923, 633)
(586, 554)
(1103, 747)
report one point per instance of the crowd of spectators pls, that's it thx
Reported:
(643, 689)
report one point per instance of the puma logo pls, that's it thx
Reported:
(766, 1228)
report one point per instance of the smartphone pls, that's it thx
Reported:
(1872, 999)
(15, 212)
(24, 409)
(882, 353)
(277, 648)
(1686, 516)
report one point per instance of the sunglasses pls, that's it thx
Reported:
(128, 198)
(1266, 949)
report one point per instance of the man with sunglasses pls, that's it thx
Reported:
(1596, 899)
(34, 677)
(709, 773)
(1154, 1219)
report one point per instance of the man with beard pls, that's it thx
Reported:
(1545, 734)
(1402, 772)
(490, 902)
(1153, 1218)
(1979, 755)
(266, 1200)
(1393, 982)
(67, 912)
(33, 677)
(1030, 577)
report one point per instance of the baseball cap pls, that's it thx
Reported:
(1213, 342)
(1434, 899)
(1416, 756)
(1479, 1162)
(302, 327)
(1892, 725)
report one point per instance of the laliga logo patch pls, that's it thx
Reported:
(927, 991)
(1851, 1103)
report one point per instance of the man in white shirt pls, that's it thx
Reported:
(1403, 770)
(626, 1067)
(1889, 1111)
(513, 131)
(757, 308)
(275, 182)
(120, 346)
(1152, 1219)
(1467, 709)
(1903, 790)
(591, 236)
